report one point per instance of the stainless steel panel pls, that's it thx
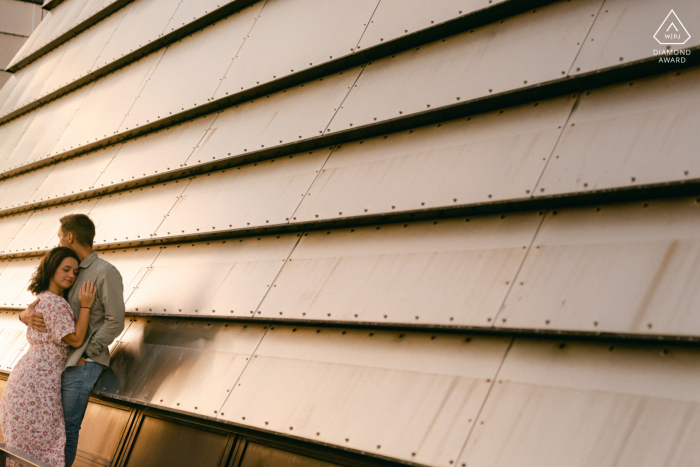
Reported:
(156, 152)
(394, 18)
(17, 191)
(628, 268)
(59, 20)
(183, 365)
(629, 134)
(132, 264)
(9, 226)
(165, 442)
(494, 156)
(41, 230)
(31, 43)
(14, 281)
(135, 214)
(46, 128)
(624, 32)
(208, 54)
(16, 18)
(447, 272)
(299, 376)
(259, 455)
(31, 80)
(189, 10)
(108, 104)
(75, 175)
(296, 113)
(276, 47)
(581, 404)
(8, 82)
(81, 52)
(226, 277)
(143, 23)
(517, 52)
(91, 8)
(102, 431)
(11, 133)
(260, 194)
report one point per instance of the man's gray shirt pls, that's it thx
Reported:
(107, 312)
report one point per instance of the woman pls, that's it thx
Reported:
(31, 414)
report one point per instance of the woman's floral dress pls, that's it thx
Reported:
(31, 412)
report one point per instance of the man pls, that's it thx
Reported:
(84, 365)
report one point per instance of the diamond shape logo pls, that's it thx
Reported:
(672, 31)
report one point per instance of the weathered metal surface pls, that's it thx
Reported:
(628, 268)
(14, 281)
(260, 194)
(108, 103)
(101, 432)
(624, 32)
(31, 80)
(134, 214)
(81, 52)
(495, 156)
(296, 113)
(184, 365)
(164, 442)
(18, 190)
(447, 272)
(13, 339)
(521, 51)
(208, 53)
(394, 18)
(74, 175)
(221, 278)
(276, 48)
(630, 134)
(157, 152)
(47, 126)
(300, 375)
(9, 226)
(40, 231)
(583, 404)
(143, 23)
(132, 264)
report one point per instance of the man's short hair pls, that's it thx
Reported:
(82, 228)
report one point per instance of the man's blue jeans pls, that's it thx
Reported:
(76, 384)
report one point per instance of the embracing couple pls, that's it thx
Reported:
(78, 313)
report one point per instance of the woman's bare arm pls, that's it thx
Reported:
(86, 297)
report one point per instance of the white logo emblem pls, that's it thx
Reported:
(672, 31)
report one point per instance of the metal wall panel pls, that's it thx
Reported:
(14, 281)
(47, 126)
(495, 156)
(188, 366)
(276, 47)
(59, 20)
(9, 226)
(299, 376)
(583, 404)
(296, 113)
(8, 82)
(91, 7)
(143, 23)
(517, 52)
(81, 52)
(628, 268)
(624, 32)
(447, 272)
(17, 191)
(102, 431)
(31, 42)
(10, 134)
(189, 10)
(31, 80)
(108, 104)
(41, 230)
(132, 264)
(260, 194)
(227, 278)
(208, 54)
(156, 152)
(394, 18)
(629, 134)
(259, 455)
(74, 175)
(135, 214)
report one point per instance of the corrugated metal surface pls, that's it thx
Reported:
(448, 272)
(585, 404)
(627, 269)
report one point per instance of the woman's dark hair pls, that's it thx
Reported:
(47, 268)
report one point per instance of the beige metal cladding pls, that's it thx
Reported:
(424, 232)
